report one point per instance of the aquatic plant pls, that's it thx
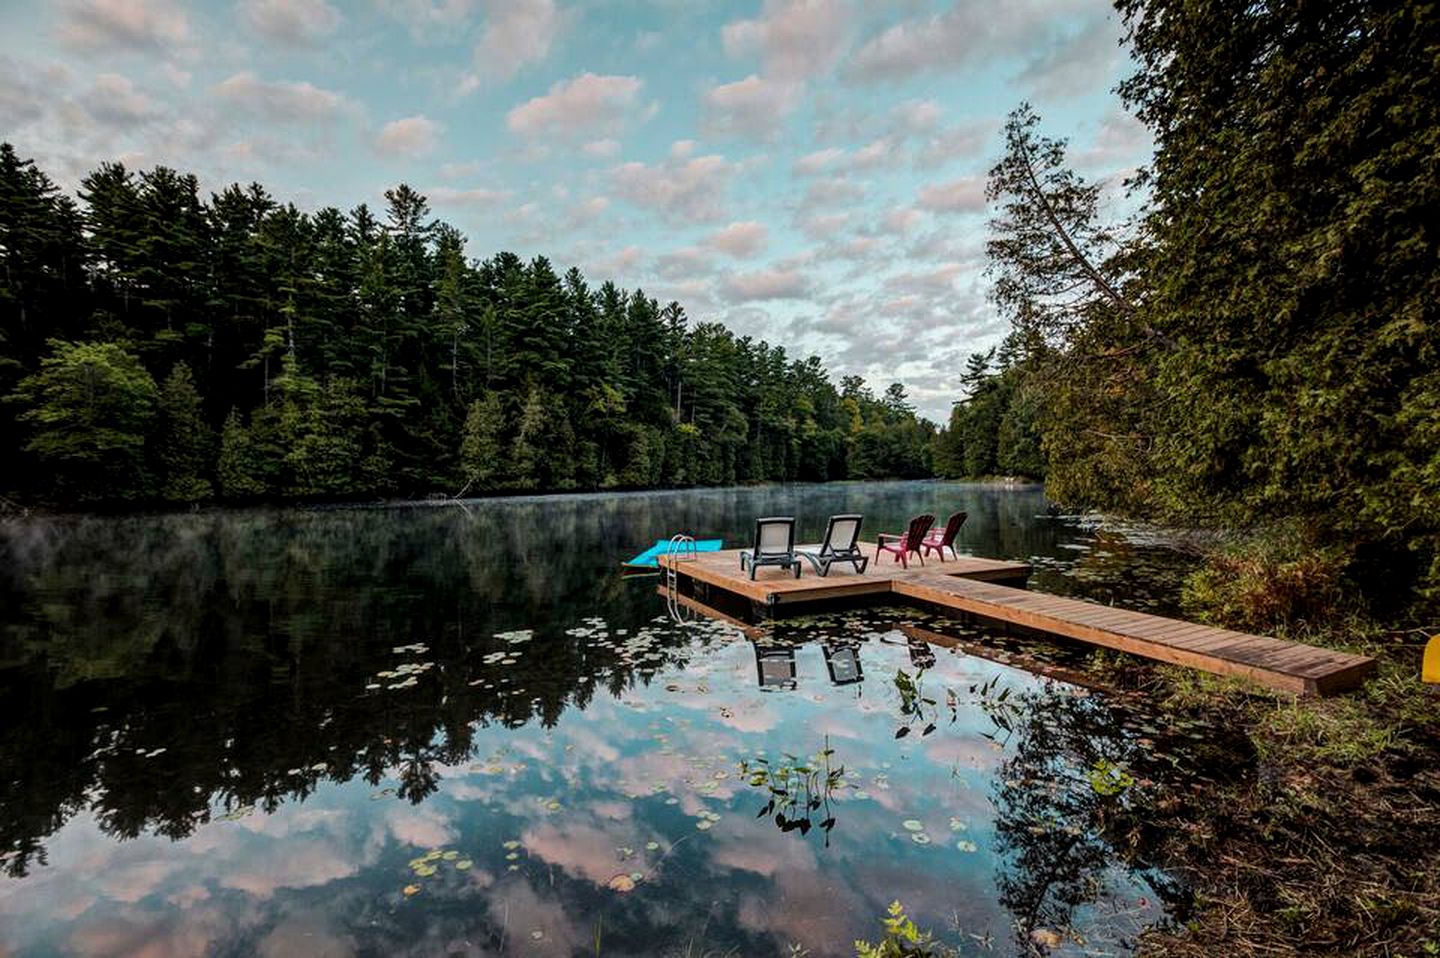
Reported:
(902, 939)
(798, 789)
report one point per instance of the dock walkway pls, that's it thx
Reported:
(986, 588)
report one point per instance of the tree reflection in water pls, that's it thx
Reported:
(1059, 836)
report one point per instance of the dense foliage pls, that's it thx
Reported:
(1258, 344)
(155, 345)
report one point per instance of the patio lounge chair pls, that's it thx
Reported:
(775, 667)
(774, 545)
(909, 541)
(941, 539)
(843, 663)
(841, 544)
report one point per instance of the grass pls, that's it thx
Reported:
(1330, 845)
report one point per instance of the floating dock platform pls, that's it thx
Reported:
(994, 590)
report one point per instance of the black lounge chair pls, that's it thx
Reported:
(841, 544)
(775, 667)
(843, 663)
(774, 545)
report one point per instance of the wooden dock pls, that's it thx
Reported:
(986, 588)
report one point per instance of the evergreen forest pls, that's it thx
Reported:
(160, 346)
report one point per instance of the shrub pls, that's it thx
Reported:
(1273, 580)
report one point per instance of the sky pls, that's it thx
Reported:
(810, 172)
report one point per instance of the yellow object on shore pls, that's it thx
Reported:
(1430, 669)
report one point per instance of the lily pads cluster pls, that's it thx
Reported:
(405, 675)
(435, 862)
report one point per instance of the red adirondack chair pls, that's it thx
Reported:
(910, 541)
(941, 539)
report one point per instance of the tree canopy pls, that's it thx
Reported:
(362, 353)
(1258, 344)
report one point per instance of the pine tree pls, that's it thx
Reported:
(186, 443)
(482, 451)
(240, 473)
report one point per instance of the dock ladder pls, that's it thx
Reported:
(680, 549)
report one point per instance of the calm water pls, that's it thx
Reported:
(433, 730)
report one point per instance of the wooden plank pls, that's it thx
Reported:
(1285, 665)
(962, 585)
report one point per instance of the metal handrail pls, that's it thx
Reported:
(681, 549)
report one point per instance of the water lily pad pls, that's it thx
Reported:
(911, 825)
(966, 846)
(450, 856)
(411, 890)
(652, 846)
(704, 824)
(621, 883)
(424, 871)
(920, 838)
(956, 825)
(511, 845)
(464, 865)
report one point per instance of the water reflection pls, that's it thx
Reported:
(239, 731)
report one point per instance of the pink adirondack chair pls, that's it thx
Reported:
(903, 545)
(941, 539)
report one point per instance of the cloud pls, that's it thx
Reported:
(23, 93)
(1075, 65)
(575, 108)
(765, 284)
(478, 196)
(413, 136)
(1121, 141)
(144, 26)
(517, 33)
(588, 211)
(281, 102)
(602, 149)
(941, 279)
(960, 142)
(290, 22)
(740, 239)
(965, 195)
(682, 188)
(114, 101)
(900, 222)
(917, 116)
(962, 37)
(818, 161)
(752, 107)
(458, 171)
(831, 191)
(796, 39)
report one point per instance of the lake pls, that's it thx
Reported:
(438, 729)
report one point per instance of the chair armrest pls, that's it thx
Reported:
(884, 536)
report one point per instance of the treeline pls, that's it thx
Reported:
(155, 345)
(995, 430)
(1257, 346)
